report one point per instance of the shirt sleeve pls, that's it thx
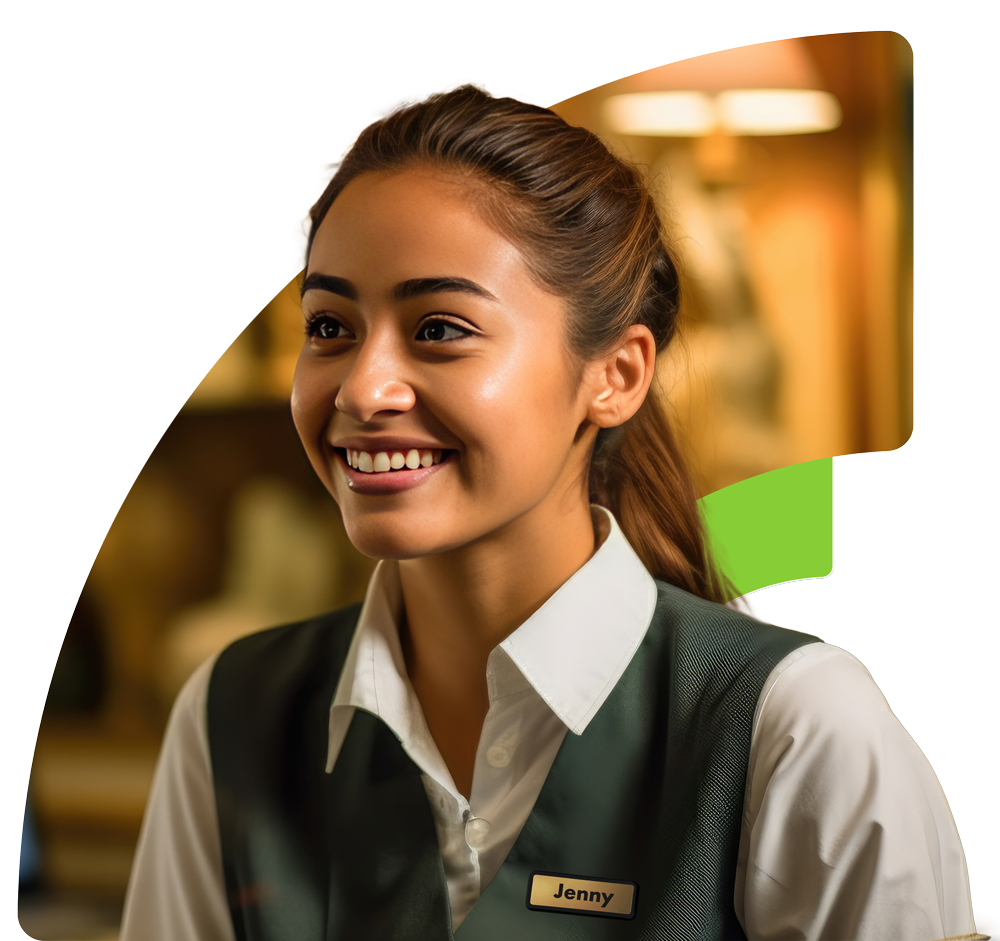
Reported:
(846, 831)
(176, 890)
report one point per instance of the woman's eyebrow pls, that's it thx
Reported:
(416, 287)
(327, 282)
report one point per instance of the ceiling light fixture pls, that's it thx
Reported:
(763, 89)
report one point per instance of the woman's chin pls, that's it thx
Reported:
(379, 540)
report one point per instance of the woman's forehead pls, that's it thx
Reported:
(411, 223)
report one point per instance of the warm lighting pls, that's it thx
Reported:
(751, 112)
(777, 111)
(275, 120)
(662, 113)
(764, 89)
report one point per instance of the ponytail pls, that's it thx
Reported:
(638, 473)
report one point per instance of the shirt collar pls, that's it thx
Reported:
(575, 647)
(572, 650)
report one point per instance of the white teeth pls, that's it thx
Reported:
(379, 462)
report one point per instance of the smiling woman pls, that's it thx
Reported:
(427, 333)
(541, 710)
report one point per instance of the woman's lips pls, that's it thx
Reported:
(363, 478)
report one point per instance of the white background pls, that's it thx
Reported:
(158, 160)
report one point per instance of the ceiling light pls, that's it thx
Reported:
(764, 89)
(662, 113)
(759, 111)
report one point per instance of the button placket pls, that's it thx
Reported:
(507, 721)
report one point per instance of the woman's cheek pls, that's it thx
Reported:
(301, 400)
(311, 403)
(310, 417)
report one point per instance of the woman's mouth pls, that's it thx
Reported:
(391, 471)
(380, 462)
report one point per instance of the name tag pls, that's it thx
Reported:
(580, 895)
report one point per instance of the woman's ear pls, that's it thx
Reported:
(620, 379)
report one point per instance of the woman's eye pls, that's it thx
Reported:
(439, 330)
(325, 328)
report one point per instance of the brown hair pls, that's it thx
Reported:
(590, 232)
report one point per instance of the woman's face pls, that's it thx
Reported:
(434, 394)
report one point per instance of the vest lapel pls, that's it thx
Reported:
(386, 877)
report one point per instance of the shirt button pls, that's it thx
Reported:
(476, 832)
(498, 755)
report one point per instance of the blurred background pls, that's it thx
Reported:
(785, 170)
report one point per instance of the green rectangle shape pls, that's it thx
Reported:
(773, 528)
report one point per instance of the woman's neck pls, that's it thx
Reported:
(460, 605)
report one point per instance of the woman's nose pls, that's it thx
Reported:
(375, 383)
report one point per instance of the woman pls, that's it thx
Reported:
(542, 711)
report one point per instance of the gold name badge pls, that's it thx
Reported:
(557, 892)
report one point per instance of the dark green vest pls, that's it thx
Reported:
(651, 793)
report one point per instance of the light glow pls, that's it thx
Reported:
(747, 112)
(760, 112)
(662, 113)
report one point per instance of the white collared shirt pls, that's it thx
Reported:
(546, 678)
(836, 789)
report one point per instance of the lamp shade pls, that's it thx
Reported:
(255, 120)
(765, 89)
